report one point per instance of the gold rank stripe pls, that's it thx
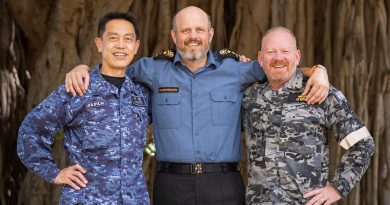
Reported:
(354, 137)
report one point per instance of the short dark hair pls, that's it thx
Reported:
(117, 15)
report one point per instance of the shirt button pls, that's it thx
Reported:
(225, 97)
(196, 133)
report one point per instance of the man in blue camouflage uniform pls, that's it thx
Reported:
(288, 151)
(105, 130)
(196, 101)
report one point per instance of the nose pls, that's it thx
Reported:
(120, 43)
(279, 55)
(193, 33)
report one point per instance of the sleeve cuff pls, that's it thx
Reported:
(52, 174)
(340, 188)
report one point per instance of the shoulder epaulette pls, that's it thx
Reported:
(167, 54)
(227, 53)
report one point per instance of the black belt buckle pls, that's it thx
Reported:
(197, 168)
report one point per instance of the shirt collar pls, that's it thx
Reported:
(101, 85)
(295, 82)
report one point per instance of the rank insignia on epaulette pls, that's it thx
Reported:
(226, 53)
(296, 97)
(168, 54)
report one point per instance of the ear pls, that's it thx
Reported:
(260, 58)
(298, 56)
(173, 35)
(98, 43)
(136, 46)
(211, 34)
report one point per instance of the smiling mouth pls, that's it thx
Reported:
(279, 66)
(120, 54)
(193, 43)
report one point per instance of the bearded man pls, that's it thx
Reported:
(288, 150)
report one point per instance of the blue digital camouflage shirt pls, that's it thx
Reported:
(105, 132)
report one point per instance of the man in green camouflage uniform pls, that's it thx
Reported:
(288, 151)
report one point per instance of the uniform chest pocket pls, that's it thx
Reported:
(97, 121)
(92, 112)
(168, 110)
(95, 116)
(224, 107)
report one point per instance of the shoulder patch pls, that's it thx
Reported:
(167, 54)
(227, 53)
(340, 96)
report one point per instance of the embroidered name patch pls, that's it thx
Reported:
(168, 90)
(95, 104)
(296, 97)
(138, 100)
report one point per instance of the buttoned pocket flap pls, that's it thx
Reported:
(168, 99)
(223, 96)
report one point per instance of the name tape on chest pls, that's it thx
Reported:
(296, 97)
(168, 90)
(95, 104)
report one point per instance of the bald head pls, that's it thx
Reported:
(278, 30)
(190, 12)
(192, 34)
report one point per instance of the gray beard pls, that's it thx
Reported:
(192, 56)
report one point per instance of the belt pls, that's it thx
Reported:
(196, 168)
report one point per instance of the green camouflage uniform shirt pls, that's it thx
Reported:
(288, 151)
